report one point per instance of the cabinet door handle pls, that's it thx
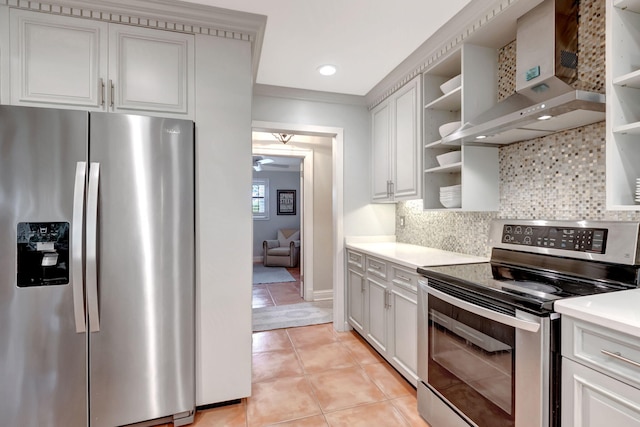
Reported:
(111, 93)
(362, 286)
(617, 355)
(101, 90)
(393, 189)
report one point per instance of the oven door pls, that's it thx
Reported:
(481, 367)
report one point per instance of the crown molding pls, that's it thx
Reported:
(168, 15)
(486, 23)
(308, 95)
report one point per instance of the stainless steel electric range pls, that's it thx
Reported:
(488, 337)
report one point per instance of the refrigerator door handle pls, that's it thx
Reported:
(92, 247)
(77, 249)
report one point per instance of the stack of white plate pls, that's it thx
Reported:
(451, 197)
(637, 190)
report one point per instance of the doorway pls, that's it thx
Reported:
(278, 212)
(334, 271)
(264, 146)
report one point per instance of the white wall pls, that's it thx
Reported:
(360, 216)
(223, 219)
(322, 218)
(268, 229)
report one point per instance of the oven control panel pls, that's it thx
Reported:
(578, 239)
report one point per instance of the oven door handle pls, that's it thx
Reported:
(485, 312)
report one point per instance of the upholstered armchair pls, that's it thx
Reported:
(283, 252)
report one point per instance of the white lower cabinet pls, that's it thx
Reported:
(81, 63)
(355, 290)
(377, 314)
(355, 285)
(382, 307)
(592, 399)
(600, 376)
(403, 330)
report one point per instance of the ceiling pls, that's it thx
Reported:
(364, 39)
(280, 163)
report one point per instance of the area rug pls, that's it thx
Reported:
(292, 315)
(262, 274)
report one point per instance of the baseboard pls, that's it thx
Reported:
(323, 295)
(257, 259)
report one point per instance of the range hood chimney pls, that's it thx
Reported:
(545, 101)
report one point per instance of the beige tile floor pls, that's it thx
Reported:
(313, 376)
(272, 294)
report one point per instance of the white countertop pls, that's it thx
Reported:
(616, 310)
(413, 256)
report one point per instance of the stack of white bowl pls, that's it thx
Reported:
(451, 197)
(637, 190)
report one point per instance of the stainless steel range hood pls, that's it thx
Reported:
(545, 101)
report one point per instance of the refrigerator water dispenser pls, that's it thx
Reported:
(43, 253)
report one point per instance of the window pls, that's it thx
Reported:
(260, 198)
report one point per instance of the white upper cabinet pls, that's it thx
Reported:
(623, 104)
(407, 133)
(57, 59)
(81, 63)
(150, 70)
(396, 137)
(381, 163)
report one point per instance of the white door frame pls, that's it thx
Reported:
(336, 135)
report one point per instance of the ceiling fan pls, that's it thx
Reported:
(258, 161)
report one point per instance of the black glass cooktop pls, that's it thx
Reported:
(529, 282)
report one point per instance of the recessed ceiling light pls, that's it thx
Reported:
(481, 136)
(545, 117)
(327, 70)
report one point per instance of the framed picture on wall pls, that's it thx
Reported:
(286, 202)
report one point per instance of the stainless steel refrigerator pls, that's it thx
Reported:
(96, 268)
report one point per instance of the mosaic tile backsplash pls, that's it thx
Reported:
(561, 176)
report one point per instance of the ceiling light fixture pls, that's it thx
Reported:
(327, 70)
(545, 117)
(481, 136)
(283, 137)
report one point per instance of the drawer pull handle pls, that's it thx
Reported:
(617, 355)
(405, 278)
(377, 267)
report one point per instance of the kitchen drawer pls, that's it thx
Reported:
(603, 349)
(377, 267)
(355, 260)
(404, 278)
